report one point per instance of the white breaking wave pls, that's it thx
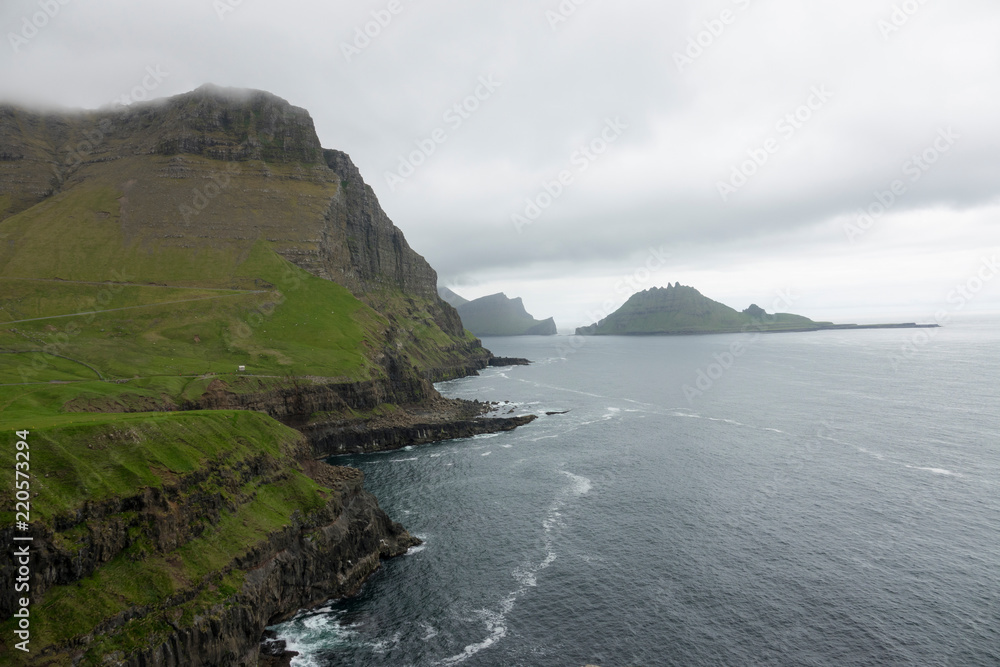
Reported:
(936, 471)
(495, 625)
(883, 457)
(571, 391)
(313, 633)
(420, 547)
(527, 577)
(581, 485)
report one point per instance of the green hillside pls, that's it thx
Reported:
(176, 573)
(134, 313)
(194, 236)
(677, 309)
(202, 251)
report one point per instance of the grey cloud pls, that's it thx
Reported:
(658, 184)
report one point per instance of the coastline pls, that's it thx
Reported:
(252, 525)
(760, 330)
(434, 421)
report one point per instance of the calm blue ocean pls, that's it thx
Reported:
(824, 500)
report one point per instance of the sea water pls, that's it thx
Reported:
(826, 498)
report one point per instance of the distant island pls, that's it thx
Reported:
(680, 310)
(497, 315)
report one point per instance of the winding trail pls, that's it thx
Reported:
(147, 305)
(76, 361)
(111, 282)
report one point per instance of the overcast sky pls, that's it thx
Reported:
(728, 145)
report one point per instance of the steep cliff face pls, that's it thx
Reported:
(202, 254)
(302, 566)
(295, 403)
(382, 262)
(214, 172)
(380, 255)
(234, 527)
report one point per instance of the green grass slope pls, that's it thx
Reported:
(679, 309)
(192, 237)
(79, 302)
(116, 457)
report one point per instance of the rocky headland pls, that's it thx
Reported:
(200, 303)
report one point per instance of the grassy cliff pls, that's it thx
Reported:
(150, 526)
(201, 251)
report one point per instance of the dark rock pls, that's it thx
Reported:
(331, 439)
(274, 652)
(509, 361)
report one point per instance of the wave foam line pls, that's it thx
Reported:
(496, 621)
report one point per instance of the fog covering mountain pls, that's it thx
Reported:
(451, 298)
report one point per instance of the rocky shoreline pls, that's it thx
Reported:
(431, 421)
(313, 556)
(508, 361)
